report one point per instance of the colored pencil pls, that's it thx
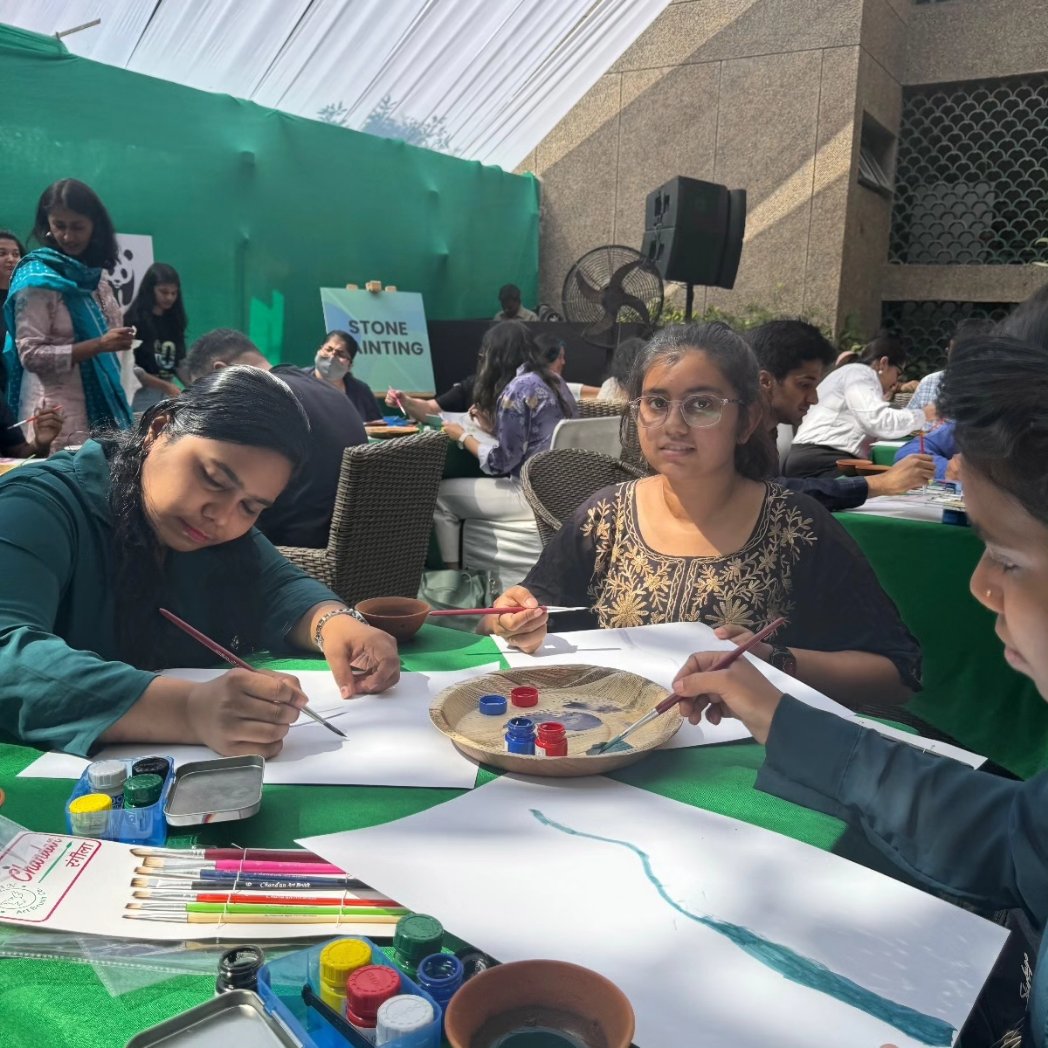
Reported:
(267, 909)
(269, 855)
(246, 866)
(672, 699)
(228, 882)
(234, 660)
(553, 609)
(258, 918)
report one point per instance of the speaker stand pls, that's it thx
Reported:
(689, 300)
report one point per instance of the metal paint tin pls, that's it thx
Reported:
(219, 790)
(237, 1017)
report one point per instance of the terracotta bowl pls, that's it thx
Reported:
(553, 995)
(400, 617)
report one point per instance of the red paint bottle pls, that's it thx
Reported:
(551, 740)
(367, 989)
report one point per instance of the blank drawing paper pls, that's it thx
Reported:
(720, 933)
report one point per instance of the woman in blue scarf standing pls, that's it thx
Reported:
(63, 320)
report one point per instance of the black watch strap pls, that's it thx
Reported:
(783, 659)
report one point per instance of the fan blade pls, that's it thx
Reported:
(588, 291)
(624, 271)
(637, 305)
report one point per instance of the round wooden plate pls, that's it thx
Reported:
(390, 431)
(593, 703)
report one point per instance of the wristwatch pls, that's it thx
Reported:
(783, 659)
(462, 440)
(318, 632)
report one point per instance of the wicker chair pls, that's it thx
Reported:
(600, 408)
(556, 483)
(382, 520)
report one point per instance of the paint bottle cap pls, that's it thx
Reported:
(524, 696)
(90, 804)
(338, 959)
(106, 775)
(406, 1013)
(151, 766)
(492, 705)
(367, 988)
(140, 791)
(238, 969)
(416, 935)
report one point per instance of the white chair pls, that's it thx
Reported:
(588, 434)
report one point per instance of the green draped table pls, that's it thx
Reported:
(970, 692)
(61, 1004)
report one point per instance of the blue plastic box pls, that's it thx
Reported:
(280, 987)
(131, 825)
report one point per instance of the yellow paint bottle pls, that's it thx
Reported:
(338, 960)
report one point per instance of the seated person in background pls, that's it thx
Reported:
(974, 836)
(852, 411)
(456, 400)
(793, 356)
(940, 445)
(162, 516)
(11, 252)
(614, 387)
(301, 516)
(509, 297)
(927, 391)
(334, 363)
(46, 427)
(709, 539)
(555, 352)
(158, 315)
(524, 400)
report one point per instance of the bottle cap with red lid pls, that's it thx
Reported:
(366, 990)
(525, 696)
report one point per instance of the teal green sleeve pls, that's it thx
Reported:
(976, 836)
(51, 695)
(288, 593)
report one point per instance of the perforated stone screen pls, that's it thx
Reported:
(927, 327)
(971, 183)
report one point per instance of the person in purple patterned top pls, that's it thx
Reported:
(525, 412)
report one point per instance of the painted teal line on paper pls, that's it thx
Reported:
(788, 963)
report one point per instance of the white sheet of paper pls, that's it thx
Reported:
(392, 741)
(942, 749)
(505, 879)
(79, 884)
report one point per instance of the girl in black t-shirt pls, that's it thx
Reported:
(159, 316)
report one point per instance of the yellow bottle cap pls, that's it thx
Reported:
(339, 959)
(90, 803)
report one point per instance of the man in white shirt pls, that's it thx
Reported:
(509, 296)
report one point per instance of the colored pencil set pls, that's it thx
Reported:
(247, 886)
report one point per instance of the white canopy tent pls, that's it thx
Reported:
(481, 79)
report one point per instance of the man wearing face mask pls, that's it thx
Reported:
(334, 363)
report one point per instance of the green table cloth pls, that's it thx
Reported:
(970, 692)
(882, 453)
(65, 1005)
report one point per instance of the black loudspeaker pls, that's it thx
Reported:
(694, 230)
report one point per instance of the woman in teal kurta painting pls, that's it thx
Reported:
(92, 544)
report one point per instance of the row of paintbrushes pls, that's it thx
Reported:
(238, 886)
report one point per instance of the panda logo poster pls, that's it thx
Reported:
(134, 257)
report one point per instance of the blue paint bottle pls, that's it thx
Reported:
(440, 975)
(520, 736)
(492, 705)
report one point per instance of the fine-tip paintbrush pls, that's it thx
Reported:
(672, 699)
(235, 660)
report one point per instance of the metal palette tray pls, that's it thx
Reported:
(219, 790)
(235, 1018)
